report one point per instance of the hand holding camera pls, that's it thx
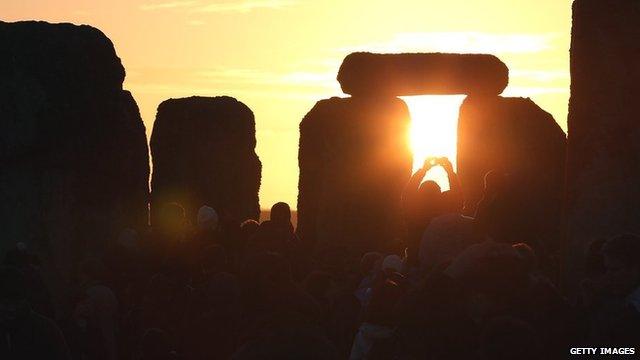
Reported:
(435, 161)
(430, 162)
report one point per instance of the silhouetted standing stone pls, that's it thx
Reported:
(203, 151)
(73, 149)
(515, 136)
(422, 74)
(354, 157)
(354, 162)
(603, 196)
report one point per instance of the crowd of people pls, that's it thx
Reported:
(218, 289)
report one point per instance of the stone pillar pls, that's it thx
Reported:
(603, 196)
(203, 151)
(515, 136)
(73, 148)
(354, 162)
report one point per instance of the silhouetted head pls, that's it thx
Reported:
(207, 218)
(621, 256)
(528, 256)
(429, 189)
(430, 199)
(494, 181)
(280, 213)
(249, 228)
(392, 264)
(493, 274)
(13, 296)
(446, 236)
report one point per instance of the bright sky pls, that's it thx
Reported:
(280, 56)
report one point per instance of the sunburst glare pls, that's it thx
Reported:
(434, 123)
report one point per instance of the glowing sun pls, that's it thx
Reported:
(434, 128)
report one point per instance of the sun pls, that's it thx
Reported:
(433, 132)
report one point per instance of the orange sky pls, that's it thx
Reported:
(280, 56)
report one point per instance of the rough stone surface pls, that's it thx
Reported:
(603, 196)
(423, 74)
(203, 151)
(354, 162)
(73, 149)
(515, 136)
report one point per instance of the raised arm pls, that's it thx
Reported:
(414, 182)
(454, 183)
(455, 191)
(411, 189)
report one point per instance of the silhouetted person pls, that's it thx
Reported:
(95, 316)
(496, 211)
(503, 216)
(229, 235)
(213, 319)
(370, 269)
(446, 236)
(422, 201)
(370, 263)
(271, 299)
(248, 228)
(486, 280)
(281, 213)
(378, 321)
(25, 334)
(280, 218)
(548, 311)
(392, 264)
(344, 316)
(168, 235)
(277, 233)
(206, 230)
(613, 299)
(499, 283)
(207, 218)
(164, 304)
(528, 257)
(124, 262)
(434, 321)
